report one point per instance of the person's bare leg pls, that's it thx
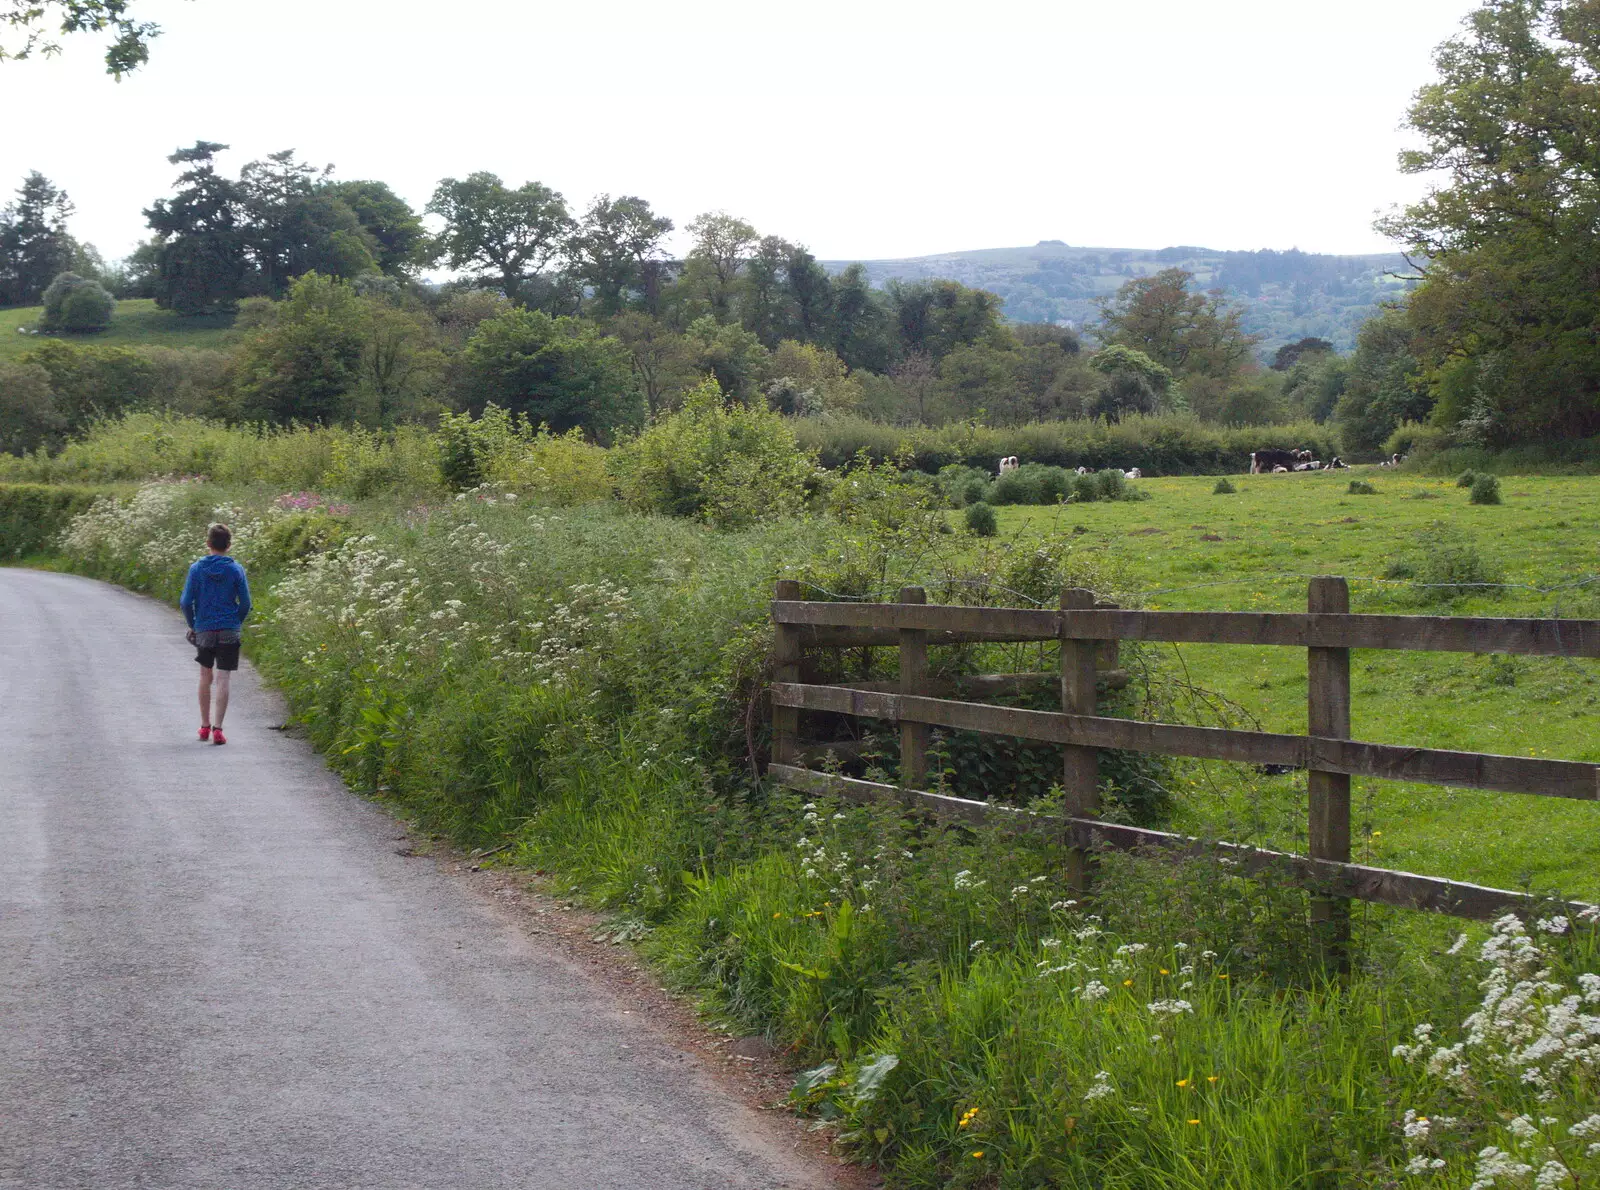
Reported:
(219, 697)
(205, 697)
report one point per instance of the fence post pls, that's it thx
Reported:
(1328, 716)
(786, 668)
(913, 680)
(1080, 773)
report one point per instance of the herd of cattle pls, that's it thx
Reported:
(1262, 462)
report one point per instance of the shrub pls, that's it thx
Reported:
(1360, 487)
(1418, 439)
(74, 303)
(559, 469)
(731, 465)
(1031, 483)
(961, 485)
(981, 519)
(1158, 444)
(1485, 490)
(33, 515)
(1466, 479)
(1224, 488)
(1443, 563)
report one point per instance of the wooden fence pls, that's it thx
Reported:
(1088, 633)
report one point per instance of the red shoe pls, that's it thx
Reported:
(205, 732)
(217, 737)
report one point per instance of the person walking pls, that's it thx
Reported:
(215, 602)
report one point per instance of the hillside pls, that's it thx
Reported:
(137, 323)
(1287, 295)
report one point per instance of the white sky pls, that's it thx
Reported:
(862, 128)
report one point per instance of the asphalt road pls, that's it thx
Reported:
(215, 970)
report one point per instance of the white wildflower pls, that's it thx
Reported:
(1101, 1088)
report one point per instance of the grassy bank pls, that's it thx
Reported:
(586, 681)
(136, 323)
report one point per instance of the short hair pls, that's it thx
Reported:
(219, 537)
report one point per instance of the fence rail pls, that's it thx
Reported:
(1088, 633)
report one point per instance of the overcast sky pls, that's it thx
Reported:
(862, 128)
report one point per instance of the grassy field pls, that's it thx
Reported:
(1253, 551)
(137, 323)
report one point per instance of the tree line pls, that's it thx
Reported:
(585, 319)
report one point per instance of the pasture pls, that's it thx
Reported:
(1188, 549)
(136, 323)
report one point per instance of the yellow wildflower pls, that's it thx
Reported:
(1183, 1082)
(1194, 1121)
(1127, 983)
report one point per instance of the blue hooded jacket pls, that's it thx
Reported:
(216, 595)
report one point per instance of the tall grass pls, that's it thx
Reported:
(141, 446)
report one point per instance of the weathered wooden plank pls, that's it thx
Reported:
(914, 737)
(820, 636)
(994, 622)
(1383, 886)
(1476, 770)
(1458, 634)
(786, 655)
(1080, 766)
(1328, 792)
(972, 687)
(831, 785)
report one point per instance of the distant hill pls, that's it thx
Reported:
(1286, 295)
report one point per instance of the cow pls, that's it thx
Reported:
(1135, 473)
(1338, 464)
(1263, 462)
(1313, 465)
(1009, 463)
(1081, 471)
(1280, 470)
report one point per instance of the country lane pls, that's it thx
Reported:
(215, 970)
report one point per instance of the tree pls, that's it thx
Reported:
(1508, 241)
(1290, 354)
(934, 318)
(91, 382)
(807, 282)
(617, 246)
(34, 244)
(1383, 386)
(1132, 382)
(660, 357)
(802, 378)
(508, 236)
(558, 372)
(27, 21)
(1189, 333)
(768, 306)
(859, 331)
(74, 303)
(729, 353)
(200, 243)
(296, 225)
(306, 365)
(399, 241)
(711, 271)
(29, 419)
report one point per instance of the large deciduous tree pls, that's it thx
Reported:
(508, 237)
(399, 241)
(34, 242)
(713, 268)
(27, 27)
(1505, 322)
(618, 249)
(1191, 334)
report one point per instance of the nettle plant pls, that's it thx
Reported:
(1523, 1073)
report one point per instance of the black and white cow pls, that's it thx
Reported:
(1264, 462)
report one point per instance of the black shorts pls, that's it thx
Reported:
(219, 648)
